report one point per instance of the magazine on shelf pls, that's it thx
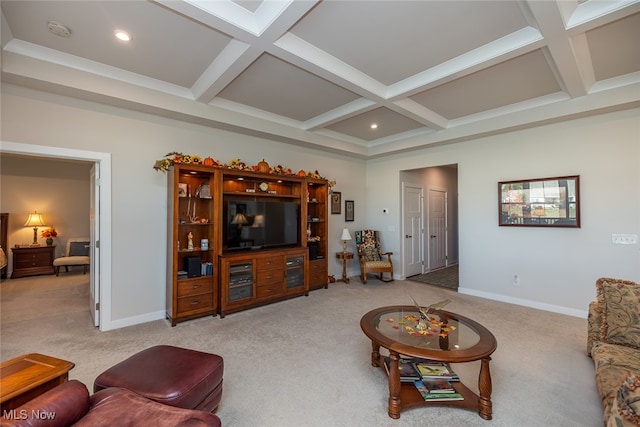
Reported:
(438, 386)
(435, 397)
(435, 370)
(408, 372)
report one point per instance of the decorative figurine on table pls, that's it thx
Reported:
(190, 241)
(425, 320)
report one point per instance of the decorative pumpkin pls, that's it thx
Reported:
(302, 173)
(263, 167)
(208, 161)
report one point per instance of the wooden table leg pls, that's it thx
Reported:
(394, 386)
(484, 386)
(375, 354)
(345, 278)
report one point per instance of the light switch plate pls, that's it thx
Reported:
(624, 239)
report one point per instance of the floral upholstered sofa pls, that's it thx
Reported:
(613, 342)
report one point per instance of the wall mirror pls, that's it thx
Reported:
(543, 202)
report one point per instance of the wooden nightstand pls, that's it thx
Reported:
(31, 261)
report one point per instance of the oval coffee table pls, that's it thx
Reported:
(452, 338)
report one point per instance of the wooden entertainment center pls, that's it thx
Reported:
(239, 239)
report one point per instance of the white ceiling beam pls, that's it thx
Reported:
(510, 46)
(575, 77)
(232, 61)
(343, 112)
(595, 13)
(420, 114)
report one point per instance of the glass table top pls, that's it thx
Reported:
(441, 332)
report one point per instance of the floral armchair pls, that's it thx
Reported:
(372, 259)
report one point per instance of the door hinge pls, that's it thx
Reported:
(97, 306)
(97, 244)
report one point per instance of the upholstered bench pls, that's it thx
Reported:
(170, 375)
(76, 253)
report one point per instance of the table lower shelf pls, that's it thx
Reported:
(410, 397)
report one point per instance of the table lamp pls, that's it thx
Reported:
(35, 220)
(345, 237)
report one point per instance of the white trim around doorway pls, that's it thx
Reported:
(103, 163)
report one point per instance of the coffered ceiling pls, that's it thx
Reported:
(321, 73)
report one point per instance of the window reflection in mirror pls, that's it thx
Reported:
(544, 202)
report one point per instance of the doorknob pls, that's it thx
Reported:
(407, 236)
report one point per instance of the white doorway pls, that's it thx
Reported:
(412, 201)
(437, 231)
(101, 279)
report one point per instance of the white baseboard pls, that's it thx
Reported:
(136, 320)
(526, 303)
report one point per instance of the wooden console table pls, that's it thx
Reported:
(32, 261)
(28, 376)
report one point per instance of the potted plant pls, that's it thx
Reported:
(49, 235)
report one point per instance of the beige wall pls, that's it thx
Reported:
(557, 267)
(57, 189)
(139, 193)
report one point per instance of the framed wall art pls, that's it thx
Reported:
(348, 210)
(336, 202)
(542, 202)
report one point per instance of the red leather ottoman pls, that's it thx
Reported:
(170, 375)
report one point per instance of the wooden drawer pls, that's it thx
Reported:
(32, 260)
(269, 263)
(274, 289)
(268, 277)
(194, 287)
(196, 302)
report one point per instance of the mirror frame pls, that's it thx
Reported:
(555, 204)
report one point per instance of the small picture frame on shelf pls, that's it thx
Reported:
(349, 210)
(182, 189)
(336, 202)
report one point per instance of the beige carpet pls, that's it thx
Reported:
(305, 361)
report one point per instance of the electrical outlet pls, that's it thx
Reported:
(624, 239)
(516, 280)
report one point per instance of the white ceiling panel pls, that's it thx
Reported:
(387, 123)
(319, 73)
(393, 40)
(277, 87)
(625, 58)
(174, 49)
(516, 80)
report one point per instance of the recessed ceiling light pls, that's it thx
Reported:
(58, 29)
(122, 35)
(374, 126)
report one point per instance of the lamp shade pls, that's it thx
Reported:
(240, 219)
(34, 220)
(345, 234)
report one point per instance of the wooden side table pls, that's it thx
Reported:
(344, 256)
(31, 261)
(28, 376)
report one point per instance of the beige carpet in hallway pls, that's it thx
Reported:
(305, 361)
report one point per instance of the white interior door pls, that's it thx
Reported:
(412, 231)
(437, 229)
(94, 230)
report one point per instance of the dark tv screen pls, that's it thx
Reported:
(261, 224)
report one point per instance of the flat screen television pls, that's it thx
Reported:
(257, 224)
